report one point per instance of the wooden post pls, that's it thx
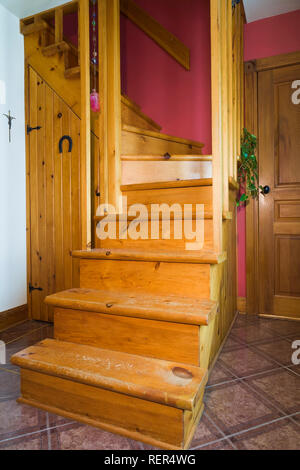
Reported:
(110, 101)
(230, 89)
(85, 132)
(216, 84)
(225, 92)
(59, 24)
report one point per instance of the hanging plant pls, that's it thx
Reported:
(248, 169)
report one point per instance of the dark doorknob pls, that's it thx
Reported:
(266, 190)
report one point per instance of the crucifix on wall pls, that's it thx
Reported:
(10, 119)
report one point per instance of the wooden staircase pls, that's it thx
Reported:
(134, 342)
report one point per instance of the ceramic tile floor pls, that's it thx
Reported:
(252, 398)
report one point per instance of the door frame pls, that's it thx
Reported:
(252, 68)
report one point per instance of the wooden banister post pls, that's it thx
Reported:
(85, 131)
(59, 24)
(110, 102)
(216, 85)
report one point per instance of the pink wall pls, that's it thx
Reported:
(264, 38)
(180, 101)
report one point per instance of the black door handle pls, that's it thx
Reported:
(266, 190)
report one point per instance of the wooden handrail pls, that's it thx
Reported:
(166, 40)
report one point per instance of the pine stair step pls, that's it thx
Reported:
(167, 185)
(170, 309)
(56, 48)
(166, 158)
(151, 400)
(227, 215)
(169, 383)
(72, 72)
(194, 257)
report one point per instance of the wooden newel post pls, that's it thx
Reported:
(85, 131)
(110, 102)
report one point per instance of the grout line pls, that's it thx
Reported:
(253, 428)
(48, 431)
(244, 377)
(219, 430)
(9, 370)
(17, 436)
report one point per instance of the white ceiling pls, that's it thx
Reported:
(258, 9)
(23, 8)
(255, 9)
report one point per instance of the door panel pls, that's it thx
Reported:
(279, 211)
(54, 195)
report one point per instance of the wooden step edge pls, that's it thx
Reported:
(105, 369)
(72, 72)
(137, 109)
(158, 135)
(167, 185)
(194, 257)
(227, 215)
(164, 158)
(199, 313)
(56, 48)
(160, 216)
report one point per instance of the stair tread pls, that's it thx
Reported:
(197, 257)
(170, 158)
(167, 185)
(54, 48)
(172, 309)
(168, 383)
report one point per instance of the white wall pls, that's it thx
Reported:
(12, 167)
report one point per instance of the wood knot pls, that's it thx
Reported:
(182, 373)
(109, 305)
(108, 253)
(167, 156)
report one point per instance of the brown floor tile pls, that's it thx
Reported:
(15, 332)
(281, 435)
(284, 327)
(253, 333)
(206, 432)
(281, 388)
(231, 344)
(16, 419)
(280, 350)
(244, 361)
(80, 437)
(244, 320)
(234, 408)
(37, 441)
(26, 341)
(219, 375)
(9, 385)
(295, 369)
(56, 420)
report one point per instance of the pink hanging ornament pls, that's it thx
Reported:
(95, 101)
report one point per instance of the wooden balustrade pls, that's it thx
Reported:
(227, 22)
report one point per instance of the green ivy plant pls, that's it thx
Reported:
(248, 168)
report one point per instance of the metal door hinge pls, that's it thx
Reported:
(31, 288)
(29, 129)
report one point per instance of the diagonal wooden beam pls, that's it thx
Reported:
(166, 40)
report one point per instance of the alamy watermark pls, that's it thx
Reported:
(2, 352)
(296, 93)
(296, 354)
(153, 222)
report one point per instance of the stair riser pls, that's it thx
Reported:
(166, 234)
(161, 340)
(151, 172)
(191, 195)
(149, 422)
(157, 278)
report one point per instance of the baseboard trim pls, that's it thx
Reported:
(241, 304)
(13, 316)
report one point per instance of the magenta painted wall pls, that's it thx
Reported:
(264, 38)
(180, 101)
